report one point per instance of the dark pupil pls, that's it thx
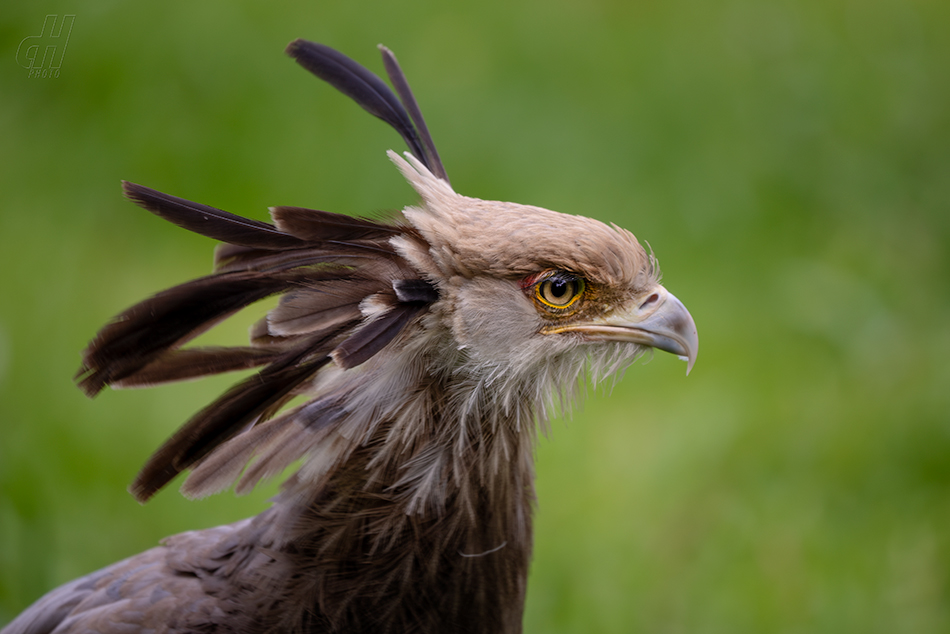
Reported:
(558, 288)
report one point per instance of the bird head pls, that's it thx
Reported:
(521, 285)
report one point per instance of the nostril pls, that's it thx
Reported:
(652, 299)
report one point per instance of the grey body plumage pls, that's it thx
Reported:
(428, 350)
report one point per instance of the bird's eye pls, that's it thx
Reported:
(559, 292)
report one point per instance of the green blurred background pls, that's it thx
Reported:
(788, 161)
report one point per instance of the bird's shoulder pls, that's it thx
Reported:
(178, 586)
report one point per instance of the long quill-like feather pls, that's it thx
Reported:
(137, 336)
(233, 411)
(209, 221)
(401, 84)
(359, 84)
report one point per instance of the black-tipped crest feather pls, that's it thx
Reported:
(192, 363)
(137, 336)
(324, 226)
(209, 221)
(372, 94)
(401, 84)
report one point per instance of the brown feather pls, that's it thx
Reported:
(360, 85)
(237, 258)
(209, 221)
(401, 84)
(375, 335)
(229, 414)
(415, 290)
(297, 435)
(191, 363)
(137, 336)
(323, 226)
(321, 304)
(224, 465)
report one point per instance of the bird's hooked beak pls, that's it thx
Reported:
(658, 320)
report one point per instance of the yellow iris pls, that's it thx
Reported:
(560, 291)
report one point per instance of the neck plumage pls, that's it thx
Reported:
(419, 518)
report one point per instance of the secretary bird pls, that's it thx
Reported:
(427, 351)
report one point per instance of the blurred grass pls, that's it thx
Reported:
(789, 162)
